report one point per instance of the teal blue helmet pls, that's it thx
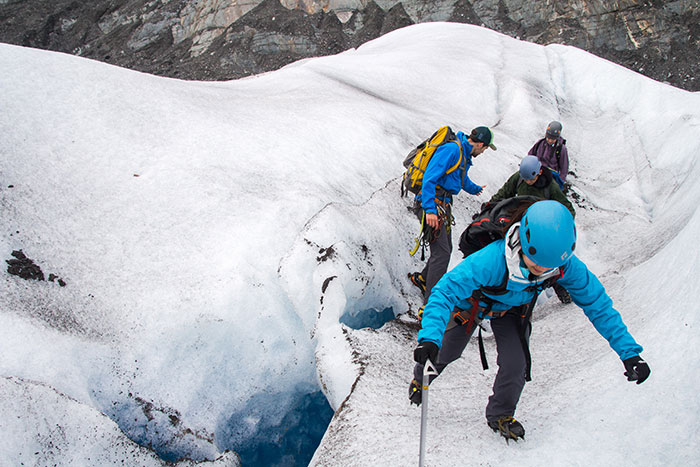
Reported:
(548, 234)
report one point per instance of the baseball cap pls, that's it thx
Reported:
(484, 135)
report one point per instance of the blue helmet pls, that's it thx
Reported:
(530, 167)
(548, 234)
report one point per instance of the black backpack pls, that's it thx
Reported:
(488, 225)
(557, 150)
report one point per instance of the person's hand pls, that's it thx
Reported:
(481, 190)
(637, 369)
(425, 350)
(432, 220)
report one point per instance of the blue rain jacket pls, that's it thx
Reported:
(445, 157)
(487, 267)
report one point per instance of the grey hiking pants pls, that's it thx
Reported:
(511, 360)
(440, 253)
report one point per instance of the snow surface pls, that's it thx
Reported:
(211, 235)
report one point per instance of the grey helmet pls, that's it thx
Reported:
(553, 129)
(530, 167)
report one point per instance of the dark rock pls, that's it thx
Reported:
(24, 267)
(331, 38)
(395, 18)
(463, 12)
(656, 38)
(372, 19)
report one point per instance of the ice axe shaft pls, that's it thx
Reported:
(428, 371)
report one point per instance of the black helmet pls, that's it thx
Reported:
(553, 130)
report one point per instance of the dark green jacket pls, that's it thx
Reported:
(545, 187)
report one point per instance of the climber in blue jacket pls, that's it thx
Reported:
(501, 282)
(434, 202)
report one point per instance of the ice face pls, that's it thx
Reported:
(212, 235)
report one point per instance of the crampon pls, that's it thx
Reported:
(508, 427)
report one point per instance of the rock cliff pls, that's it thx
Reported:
(227, 39)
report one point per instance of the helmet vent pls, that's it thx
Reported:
(532, 250)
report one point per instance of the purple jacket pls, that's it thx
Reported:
(546, 154)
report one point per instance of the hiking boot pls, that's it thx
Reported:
(508, 427)
(415, 393)
(562, 293)
(418, 281)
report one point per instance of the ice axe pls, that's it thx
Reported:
(428, 371)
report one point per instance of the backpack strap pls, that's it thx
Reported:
(526, 324)
(557, 149)
(459, 161)
(525, 329)
(440, 191)
(482, 352)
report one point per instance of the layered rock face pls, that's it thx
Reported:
(227, 39)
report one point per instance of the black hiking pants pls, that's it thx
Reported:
(440, 253)
(511, 360)
(454, 341)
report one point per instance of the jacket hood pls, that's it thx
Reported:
(513, 249)
(545, 178)
(465, 146)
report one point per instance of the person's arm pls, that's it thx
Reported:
(485, 267)
(563, 163)
(588, 293)
(507, 190)
(471, 187)
(533, 149)
(557, 195)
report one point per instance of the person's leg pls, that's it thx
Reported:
(418, 278)
(453, 343)
(512, 363)
(439, 260)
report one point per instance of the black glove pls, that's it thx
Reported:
(426, 350)
(637, 369)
